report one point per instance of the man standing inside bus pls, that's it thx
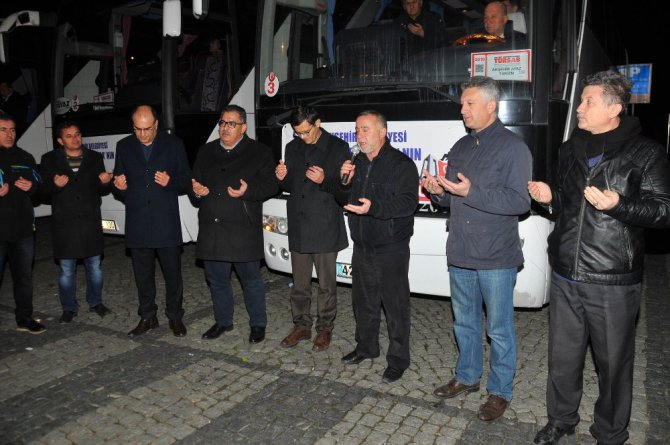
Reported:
(151, 171)
(380, 187)
(18, 183)
(485, 189)
(316, 230)
(612, 183)
(232, 176)
(74, 180)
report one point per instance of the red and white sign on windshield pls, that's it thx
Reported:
(502, 65)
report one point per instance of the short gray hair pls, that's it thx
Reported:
(488, 87)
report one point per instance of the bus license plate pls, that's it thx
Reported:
(344, 270)
(109, 225)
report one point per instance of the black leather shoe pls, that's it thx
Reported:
(143, 326)
(100, 309)
(67, 316)
(392, 374)
(550, 434)
(178, 328)
(216, 331)
(257, 334)
(353, 358)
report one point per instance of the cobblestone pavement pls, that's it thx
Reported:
(88, 383)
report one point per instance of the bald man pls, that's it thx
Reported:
(151, 171)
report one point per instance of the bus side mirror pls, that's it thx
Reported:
(172, 18)
(21, 18)
(200, 9)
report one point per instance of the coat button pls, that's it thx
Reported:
(216, 220)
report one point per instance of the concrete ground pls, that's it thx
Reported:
(89, 383)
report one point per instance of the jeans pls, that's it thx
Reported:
(469, 288)
(20, 254)
(217, 274)
(67, 282)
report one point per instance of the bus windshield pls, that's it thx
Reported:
(317, 46)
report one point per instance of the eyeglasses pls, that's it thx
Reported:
(144, 130)
(302, 134)
(231, 124)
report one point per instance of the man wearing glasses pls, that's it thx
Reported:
(232, 177)
(151, 171)
(316, 230)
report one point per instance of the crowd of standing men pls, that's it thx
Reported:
(611, 184)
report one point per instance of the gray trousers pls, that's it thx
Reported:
(605, 316)
(301, 294)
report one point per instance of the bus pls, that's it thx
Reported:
(107, 58)
(340, 58)
(343, 59)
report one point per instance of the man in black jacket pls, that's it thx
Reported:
(74, 178)
(612, 183)
(232, 176)
(382, 189)
(150, 173)
(425, 29)
(316, 229)
(18, 182)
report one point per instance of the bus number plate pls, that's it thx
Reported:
(344, 270)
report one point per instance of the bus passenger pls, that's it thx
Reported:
(74, 178)
(316, 230)
(382, 199)
(612, 183)
(232, 176)
(485, 189)
(426, 30)
(151, 170)
(495, 19)
(18, 182)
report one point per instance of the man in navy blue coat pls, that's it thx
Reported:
(151, 171)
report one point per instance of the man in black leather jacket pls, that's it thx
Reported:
(612, 183)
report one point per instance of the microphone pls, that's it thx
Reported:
(354, 151)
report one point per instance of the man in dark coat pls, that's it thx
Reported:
(316, 230)
(18, 182)
(382, 191)
(74, 178)
(612, 183)
(232, 176)
(425, 29)
(151, 171)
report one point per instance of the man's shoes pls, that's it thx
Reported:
(100, 309)
(178, 328)
(67, 316)
(392, 374)
(353, 358)
(257, 334)
(322, 341)
(143, 326)
(216, 331)
(454, 388)
(494, 407)
(550, 434)
(296, 335)
(32, 326)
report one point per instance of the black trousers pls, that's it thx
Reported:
(144, 268)
(380, 281)
(605, 316)
(20, 255)
(301, 294)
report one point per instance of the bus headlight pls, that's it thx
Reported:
(275, 224)
(284, 254)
